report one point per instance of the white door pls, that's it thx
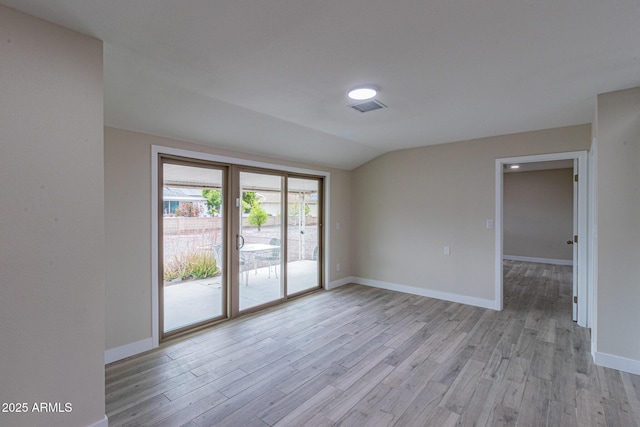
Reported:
(573, 242)
(580, 261)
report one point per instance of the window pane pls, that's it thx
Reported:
(303, 235)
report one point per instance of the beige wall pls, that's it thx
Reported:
(538, 214)
(51, 221)
(408, 205)
(618, 223)
(128, 243)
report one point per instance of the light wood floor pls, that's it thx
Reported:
(365, 356)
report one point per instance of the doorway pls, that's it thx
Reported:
(538, 227)
(581, 296)
(232, 239)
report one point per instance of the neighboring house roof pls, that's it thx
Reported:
(183, 194)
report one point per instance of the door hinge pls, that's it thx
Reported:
(575, 239)
(575, 177)
(575, 299)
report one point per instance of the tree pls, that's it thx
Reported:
(294, 209)
(257, 215)
(214, 200)
(248, 199)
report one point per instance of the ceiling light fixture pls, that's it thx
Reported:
(362, 93)
(515, 166)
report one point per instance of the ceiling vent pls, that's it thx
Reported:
(367, 106)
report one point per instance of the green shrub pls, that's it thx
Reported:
(204, 265)
(196, 265)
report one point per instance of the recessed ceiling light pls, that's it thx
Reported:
(362, 93)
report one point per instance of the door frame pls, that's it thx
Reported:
(584, 286)
(321, 242)
(195, 163)
(157, 151)
(235, 207)
(236, 227)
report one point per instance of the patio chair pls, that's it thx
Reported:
(271, 256)
(217, 250)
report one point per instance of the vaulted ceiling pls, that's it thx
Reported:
(270, 77)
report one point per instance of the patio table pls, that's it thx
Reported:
(249, 250)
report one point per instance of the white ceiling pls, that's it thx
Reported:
(270, 77)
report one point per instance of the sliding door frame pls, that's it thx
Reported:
(225, 169)
(321, 222)
(156, 210)
(236, 194)
(236, 191)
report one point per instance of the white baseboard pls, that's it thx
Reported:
(462, 299)
(538, 260)
(128, 350)
(617, 362)
(102, 423)
(339, 282)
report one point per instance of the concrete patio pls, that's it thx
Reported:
(197, 300)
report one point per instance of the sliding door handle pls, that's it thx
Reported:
(239, 241)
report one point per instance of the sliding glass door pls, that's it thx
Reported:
(259, 240)
(232, 240)
(193, 287)
(303, 234)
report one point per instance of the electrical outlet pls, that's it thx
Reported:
(338, 267)
(447, 250)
